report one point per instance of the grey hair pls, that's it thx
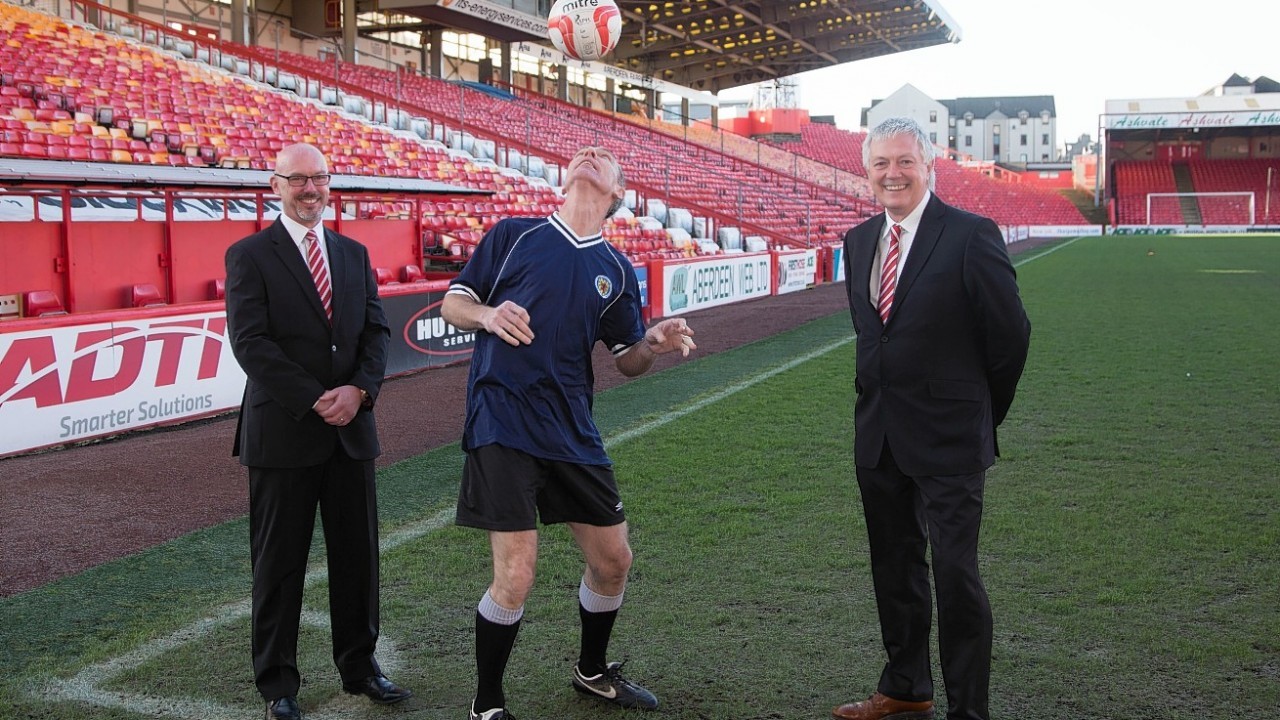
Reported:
(894, 126)
(617, 202)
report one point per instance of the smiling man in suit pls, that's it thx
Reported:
(942, 340)
(307, 327)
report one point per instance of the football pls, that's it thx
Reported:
(584, 29)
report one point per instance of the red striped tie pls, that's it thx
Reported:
(319, 274)
(889, 273)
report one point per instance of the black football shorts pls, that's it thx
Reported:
(505, 489)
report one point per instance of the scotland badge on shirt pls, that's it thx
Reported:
(604, 286)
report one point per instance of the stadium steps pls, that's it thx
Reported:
(1190, 206)
(1083, 201)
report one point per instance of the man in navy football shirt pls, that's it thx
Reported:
(544, 291)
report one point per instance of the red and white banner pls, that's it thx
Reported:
(65, 384)
(796, 270)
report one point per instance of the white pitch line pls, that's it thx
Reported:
(734, 389)
(86, 686)
(1051, 250)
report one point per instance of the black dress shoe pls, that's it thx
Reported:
(378, 689)
(285, 708)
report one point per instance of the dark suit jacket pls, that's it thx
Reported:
(938, 377)
(291, 354)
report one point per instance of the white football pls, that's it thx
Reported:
(584, 29)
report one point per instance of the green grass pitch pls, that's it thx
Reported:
(1131, 545)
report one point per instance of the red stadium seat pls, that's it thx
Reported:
(144, 295)
(38, 303)
(217, 289)
(384, 276)
(411, 274)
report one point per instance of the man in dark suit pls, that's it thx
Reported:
(942, 340)
(307, 327)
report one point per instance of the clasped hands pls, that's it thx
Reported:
(338, 406)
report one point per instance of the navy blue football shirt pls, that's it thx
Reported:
(578, 290)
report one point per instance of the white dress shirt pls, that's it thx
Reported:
(910, 224)
(298, 232)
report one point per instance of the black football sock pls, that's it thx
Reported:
(494, 640)
(596, 630)
(598, 613)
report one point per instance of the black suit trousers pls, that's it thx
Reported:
(905, 515)
(282, 512)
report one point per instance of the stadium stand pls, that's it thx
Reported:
(683, 173)
(1133, 181)
(1235, 176)
(1004, 202)
(116, 100)
(147, 96)
(71, 92)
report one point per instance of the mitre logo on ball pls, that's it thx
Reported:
(584, 29)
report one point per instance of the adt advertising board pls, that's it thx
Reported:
(66, 384)
(722, 280)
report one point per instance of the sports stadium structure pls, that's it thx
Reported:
(135, 143)
(1209, 161)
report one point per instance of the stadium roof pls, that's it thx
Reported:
(713, 45)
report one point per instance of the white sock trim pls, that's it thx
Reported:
(595, 602)
(495, 613)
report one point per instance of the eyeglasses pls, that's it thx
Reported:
(301, 180)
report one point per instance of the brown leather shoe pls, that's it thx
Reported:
(882, 707)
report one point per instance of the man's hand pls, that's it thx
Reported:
(509, 322)
(670, 335)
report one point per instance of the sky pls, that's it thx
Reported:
(1082, 52)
